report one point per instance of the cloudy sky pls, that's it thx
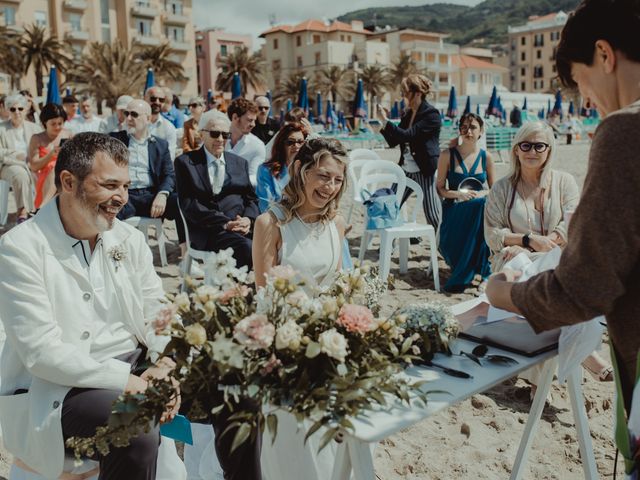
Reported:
(252, 16)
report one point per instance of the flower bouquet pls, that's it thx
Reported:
(322, 356)
(434, 324)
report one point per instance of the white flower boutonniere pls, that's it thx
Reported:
(117, 255)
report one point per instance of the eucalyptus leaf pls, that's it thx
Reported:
(502, 360)
(480, 351)
(472, 357)
(313, 350)
(241, 436)
(272, 425)
(327, 437)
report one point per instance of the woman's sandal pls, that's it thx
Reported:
(604, 375)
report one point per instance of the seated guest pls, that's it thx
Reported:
(15, 136)
(243, 143)
(86, 121)
(273, 175)
(461, 233)
(298, 115)
(216, 196)
(43, 149)
(171, 108)
(191, 139)
(159, 126)
(70, 104)
(266, 126)
(33, 115)
(117, 122)
(77, 320)
(152, 189)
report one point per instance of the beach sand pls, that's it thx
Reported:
(478, 438)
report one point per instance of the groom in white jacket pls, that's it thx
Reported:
(78, 293)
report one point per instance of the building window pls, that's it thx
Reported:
(472, 78)
(106, 33)
(538, 53)
(541, 83)
(317, 58)
(349, 38)
(496, 80)
(523, 56)
(173, 6)
(553, 54)
(75, 19)
(299, 61)
(275, 65)
(223, 50)
(443, 78)
(523, 40)
(522, 86)
(275, 43)
(553, 68)
(76, 50)
(104, 20)
(298, 40)
(443, 59)
(317, 39)
(342, 38)
(538, 40)
(431, 57)
(144, 27)
(175, 34)
(538, 72)
(522, 72)
(40, 18)
(535, 84)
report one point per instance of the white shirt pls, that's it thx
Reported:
(79, 124)
(111, 337)
(112, 124)
(162, 128)
(139, 163)
(252, 150)
(217, 169)
(409, 164)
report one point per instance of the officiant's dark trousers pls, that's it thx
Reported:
(84, 409)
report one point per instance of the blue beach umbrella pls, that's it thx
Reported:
(499, 107)
(311, 117)
(441, 115)
(541, 114)
(329, 119)
(209, 97)
(557, 106)
(53, 90)
(467, 106)
(67, 91)
(318, 107)
(150, 82)
(493, 103)
(548, 107)
(268, 95)
(281, 119)
(303, 95)
(524, 105)
(452, 108)
(403, 107)
(478, 109)
(289, 105)
(572, 108)
(236, 87)
(359, 108)
(395, 110)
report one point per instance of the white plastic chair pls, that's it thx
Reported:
(363, 153)
(143, 224)
(4, 201)
(409, 229)
(357, 159)
(192, 253)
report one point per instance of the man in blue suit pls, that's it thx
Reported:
(216, 195)
(152, 190)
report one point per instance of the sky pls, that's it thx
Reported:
(252, 16)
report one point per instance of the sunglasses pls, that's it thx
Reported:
(195, 105)
(218, 134)
(539, 147)
(291, 142)
(127, 113)
(157, 99)
(264, 108)
(14, 109)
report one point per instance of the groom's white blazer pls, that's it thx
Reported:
(46, 308)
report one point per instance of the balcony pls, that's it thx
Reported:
(79, 5)
(77, 35)
(144, 9)
(175, 19)
(180, 46)
(147, 41)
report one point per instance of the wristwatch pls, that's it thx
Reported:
(526, 240)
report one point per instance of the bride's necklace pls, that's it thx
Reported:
(315, 228)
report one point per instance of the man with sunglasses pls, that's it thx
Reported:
(117, 122)
(159, 126)
(266, 126)
(242, 113)
(152, 189)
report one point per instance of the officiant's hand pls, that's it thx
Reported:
(159, 205)
(540, 243)
(161, 370)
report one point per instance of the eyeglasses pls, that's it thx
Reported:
(195, 105)
(218, 134)
(127, 113)
(266, 109)
(14, 109)
(539, 147)
(156, 99)
(290, 142)
(466, 128)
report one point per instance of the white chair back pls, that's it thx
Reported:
(369, 177)
(4, 201)
(363, 153)
(413, 211)
(353, 172)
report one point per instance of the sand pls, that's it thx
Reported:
(478, 438)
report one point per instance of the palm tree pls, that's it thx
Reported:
(248, 66)
(290, 88)
(159, 59)
(375, 81)
(40, 52)
(337, 82)
(400, 69)
(107, 71)
(12, 60)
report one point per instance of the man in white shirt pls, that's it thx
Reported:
(116, 122)
(158, 125)
(86, 121)
(70, 105)
(78, 294)
(243, 113)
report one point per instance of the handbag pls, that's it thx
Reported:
(383, 210)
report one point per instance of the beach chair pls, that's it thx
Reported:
(143, 224)
(357, 159)
(4, 202)
(191, 255)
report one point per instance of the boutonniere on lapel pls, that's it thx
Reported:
(118, 254)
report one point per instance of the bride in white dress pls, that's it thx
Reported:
(305, 232)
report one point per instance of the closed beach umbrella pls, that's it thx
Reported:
(548, 107)
(53, 90)
(150, 82)
(541, 114)
(318, 107)
(236, 87)
(467, 106)
(452, 108)
(303, 95)
(289, 105)
(572, 109)
(524, 105)
(209, 96)
(67, 91)
(395, 110)
(478, 109)
(281, 119)
(557, 106)
(493, 103)
(359, 108)
(499, 107)
(329, 118)
(403, 107)
(268, 95)
(342, 120)
(311, 118)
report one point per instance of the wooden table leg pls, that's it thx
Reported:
(574, 385)
(534, 418)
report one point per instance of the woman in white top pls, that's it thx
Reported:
(304, 230)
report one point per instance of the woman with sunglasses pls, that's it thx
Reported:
(273, 175)
(191, 139)
(44, 148)
(464, 173)
(15, 136)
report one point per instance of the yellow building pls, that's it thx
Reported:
(143, 22)
(532, 52)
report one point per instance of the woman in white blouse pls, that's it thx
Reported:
(15, 134)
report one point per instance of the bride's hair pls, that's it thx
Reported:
(310, 156)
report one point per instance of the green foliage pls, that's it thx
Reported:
(249, 67)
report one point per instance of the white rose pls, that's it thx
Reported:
(204, 293)
(195, 335)
(226, 351)
(297, 299)
(333, 344)
(288, 335)
(182, 302)
(330, 306)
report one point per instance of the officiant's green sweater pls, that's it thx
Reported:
(599, 272)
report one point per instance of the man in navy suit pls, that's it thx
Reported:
(216, 195)
(152, 190)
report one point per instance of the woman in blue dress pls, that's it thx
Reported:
(273, 175)
(465, 175)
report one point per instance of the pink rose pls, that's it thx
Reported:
(237, 291)
(255, 332)
(356, 318)
(284, 272)
(271, 365)
(164, 318)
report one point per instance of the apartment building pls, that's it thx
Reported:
(476, 76)
(213, 45)
(142, 22)
(532, 49)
